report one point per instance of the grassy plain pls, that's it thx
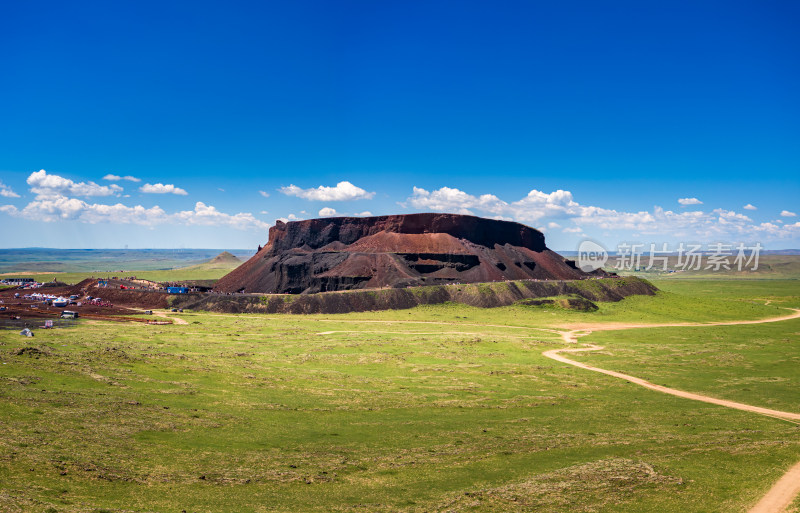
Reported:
(186, 274)
(172, 268)
(371, 412)
(770, 267)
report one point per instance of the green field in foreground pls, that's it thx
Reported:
(362, 412)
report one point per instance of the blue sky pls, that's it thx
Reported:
(584, 119)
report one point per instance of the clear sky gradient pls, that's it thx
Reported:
(246, 109)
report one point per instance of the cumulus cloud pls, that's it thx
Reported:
(290, 217)
(689, 201)
(264, 193)
(454, 200)
(160, 188)
(750, 207)
(343, 191)
(53, 202)
(786, 213)
(332, 212)
(45, 184)
(59, 208)
(533, 207)
(208, 215)
(328, 212)
(538, 208)
(117, 178)
(7, 192)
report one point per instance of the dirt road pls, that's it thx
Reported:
(554, 354)
(781, 495)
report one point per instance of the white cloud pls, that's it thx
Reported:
(533, 207)
(553, 225)
(264, 212)
(58, 208)
(344, 191)
(52, 203)
(786, 213)
(750, 207)
(264, 193)
(290, 217)
(448, 199)
(7, 192)
(50, 185)
(220, 189)
(207, 215)
(49, 208)
(328, 212)
(117, 178)
(160, 188)
(332, 212)
(538, 208)
(689, 201)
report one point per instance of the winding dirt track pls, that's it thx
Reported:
(780, 496)
(777, 499)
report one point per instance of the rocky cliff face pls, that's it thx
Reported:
(345, 253)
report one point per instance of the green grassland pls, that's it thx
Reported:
(184, 274)
(199, 272)
(75, 272)
(456, 410)
(109, 260)
(770, 267)
(751, 363)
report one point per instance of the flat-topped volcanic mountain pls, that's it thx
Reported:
(342, 253)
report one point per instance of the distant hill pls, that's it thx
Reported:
(225, 258)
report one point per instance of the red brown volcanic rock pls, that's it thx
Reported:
(344, 253)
